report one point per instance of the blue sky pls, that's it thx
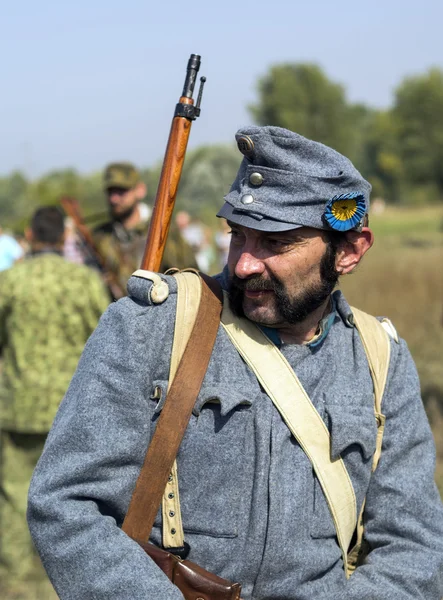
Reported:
(88, 82)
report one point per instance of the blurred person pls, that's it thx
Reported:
(183, 220)
(206, 255)
(48, 309)
(10, 250)
(199, 237)
(222, 242)
(191, 230)
(71, 245)
(122, 240)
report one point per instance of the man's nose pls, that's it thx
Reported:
(248, 264)
(115, 197)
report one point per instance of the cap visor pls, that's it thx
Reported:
(265, 224)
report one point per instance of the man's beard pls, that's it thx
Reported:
(122, 216)
(289, 310)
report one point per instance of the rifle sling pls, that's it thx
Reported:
(174, 418)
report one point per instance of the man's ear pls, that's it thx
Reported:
(352, 250)
(141, 190)
(29, 236)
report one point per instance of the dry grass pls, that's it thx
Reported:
(402, 278)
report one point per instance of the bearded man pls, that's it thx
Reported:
(257, 504)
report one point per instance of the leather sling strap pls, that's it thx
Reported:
(284, 388)
(173, 419)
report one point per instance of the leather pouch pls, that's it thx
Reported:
(194, 582)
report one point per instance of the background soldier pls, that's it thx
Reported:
(48, 309)
(122, 240)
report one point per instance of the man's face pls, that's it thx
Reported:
(279, 278)
(121, 202)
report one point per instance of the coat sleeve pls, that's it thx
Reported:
(83, 482)
(404, 513)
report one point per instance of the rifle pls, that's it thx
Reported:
(185, 113)
(194, 582)
(72, 209)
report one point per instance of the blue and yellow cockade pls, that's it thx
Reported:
(345, 211)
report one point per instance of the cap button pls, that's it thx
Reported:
(247, 199)
(256, 179)
(245, 145)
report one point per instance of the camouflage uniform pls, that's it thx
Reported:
(48, 309)
(123, 248)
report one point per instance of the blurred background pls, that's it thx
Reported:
(92, 82)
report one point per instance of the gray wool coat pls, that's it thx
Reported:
(253, 510)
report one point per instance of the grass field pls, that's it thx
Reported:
(402, 278)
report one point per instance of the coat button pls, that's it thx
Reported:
(170, 495)
(256, 179)
(247, 199)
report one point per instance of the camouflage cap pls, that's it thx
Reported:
(121, 175)
(286, 181)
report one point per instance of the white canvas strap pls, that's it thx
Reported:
(284, 388)
(375, 340)
(376, 343)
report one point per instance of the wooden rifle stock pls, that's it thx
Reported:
(72, 209)
(185, 113)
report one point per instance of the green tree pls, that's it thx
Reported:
(418, 112)
(300, 97)
(382, 162)
(49, 188)
(14, 199)
(207, 174)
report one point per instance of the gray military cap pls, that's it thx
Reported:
(286, 181)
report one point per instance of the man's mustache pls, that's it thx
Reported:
(255, 283)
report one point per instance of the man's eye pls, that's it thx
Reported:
(278, 243)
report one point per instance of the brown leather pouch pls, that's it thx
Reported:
(194, 582)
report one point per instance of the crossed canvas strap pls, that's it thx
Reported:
(175, 415)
